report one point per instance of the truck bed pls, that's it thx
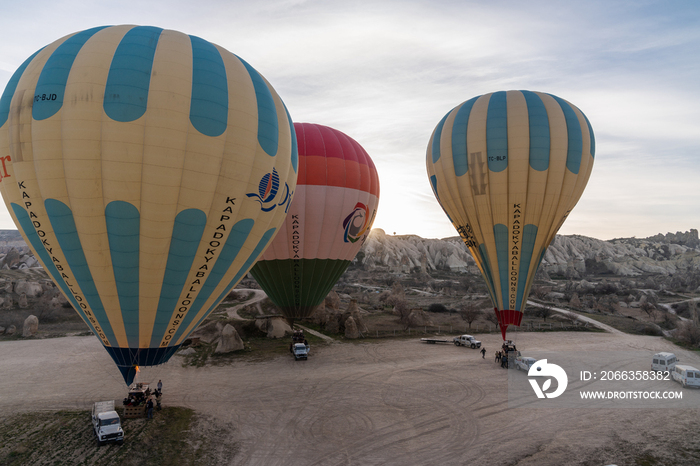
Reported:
(434, 340)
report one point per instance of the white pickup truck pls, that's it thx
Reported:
(106, 423)
(467, 340)
(300, 351)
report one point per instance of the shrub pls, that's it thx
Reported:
(438, 308)
(689, 333)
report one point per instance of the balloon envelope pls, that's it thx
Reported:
(129, 154)
(329, 219)
(508, 168)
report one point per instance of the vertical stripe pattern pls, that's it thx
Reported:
(50, 90)
(126, 92)
(508, 168)
(209, 105)
(135, 158)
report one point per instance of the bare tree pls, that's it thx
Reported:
(384, 297)
(540, 292)
(611, 307)
(397, 290)
(467, 283)
(544, 312)
(649, 309)
(693, 311)
(668, 320)
(470, 312)
(689, 333)
(403, 310)
(491, 317)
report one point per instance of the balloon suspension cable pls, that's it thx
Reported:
(504, 327)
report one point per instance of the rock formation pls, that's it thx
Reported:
(208, 333)
(351, 328)
(275, 327)
(28, 288)
(332, 301)
(11, 259)
(569, 256)
(332, 323)
(31, 326)
(229, 341)
(354, 312)
(418, 318)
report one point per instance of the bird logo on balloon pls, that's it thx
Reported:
(268, 188)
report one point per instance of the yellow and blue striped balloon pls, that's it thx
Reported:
(507, 169)
(128, 154)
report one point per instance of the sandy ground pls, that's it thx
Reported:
(389, 403)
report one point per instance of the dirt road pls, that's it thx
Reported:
(390, 403)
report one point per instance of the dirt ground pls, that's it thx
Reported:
(398, 402)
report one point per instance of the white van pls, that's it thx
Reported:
(688, 376)
(663, 362)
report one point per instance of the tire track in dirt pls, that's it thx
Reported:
(421, 416)
(388, 403)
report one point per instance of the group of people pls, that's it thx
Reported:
(502, 357)
(507, 348)
(145, 398)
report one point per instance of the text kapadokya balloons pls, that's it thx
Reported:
(129, 154)
(507, 168)
(330, 217)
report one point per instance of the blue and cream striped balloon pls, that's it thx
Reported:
(128, 155)
(507, 169)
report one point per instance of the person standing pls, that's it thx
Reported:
(149, 408)
(160, 386)
(483, 353)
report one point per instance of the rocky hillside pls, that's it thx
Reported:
(570, 256)
(407, 253)
(12, 239)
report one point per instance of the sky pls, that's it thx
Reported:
(386, 71)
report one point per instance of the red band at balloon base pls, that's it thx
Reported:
(508, 317)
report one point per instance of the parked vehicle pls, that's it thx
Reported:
(524, 363)
(663, 362)
(106, 423)
(432, 341)
(467, 340)
(688, 376)
(299, 347)
(300, 351)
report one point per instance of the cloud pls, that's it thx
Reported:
(385, 72)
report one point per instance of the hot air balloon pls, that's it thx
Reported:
(507, 169)
(128, 156)
(329, 219)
